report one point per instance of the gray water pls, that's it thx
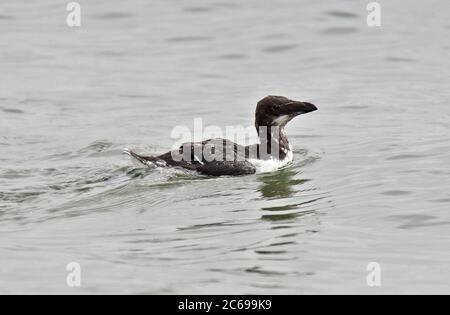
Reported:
(369, 183)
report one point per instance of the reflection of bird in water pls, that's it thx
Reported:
(282, 192)
(280, 184)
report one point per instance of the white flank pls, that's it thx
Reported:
(270, 165)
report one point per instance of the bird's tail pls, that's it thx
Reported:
(146, 160)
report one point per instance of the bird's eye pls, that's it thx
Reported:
(277, 107)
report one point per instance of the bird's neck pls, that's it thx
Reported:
(273, 143)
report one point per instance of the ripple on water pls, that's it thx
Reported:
(234, 56)
(293, 206)
(274, 49)
(133, 96)
(400, 59)
(343, 14)
(394, 193)
(95, 149)
(12, 110)
(188, 39)
(405, 157)
(115, 16)
(274, 36)
(6, 17)
(110, 189)
(11, 174)
(443, 200)
(209, 8)
(340, 30)
(198, 9)
(19, 197)
(412, 221)
(273, 272)
(209, 226)
(286, 216)
(112, 53)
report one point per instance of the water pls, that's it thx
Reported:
(369, 183)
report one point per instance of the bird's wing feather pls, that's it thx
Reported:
(205, 157)
(227, 168)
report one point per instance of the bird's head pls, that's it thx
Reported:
(279, 110)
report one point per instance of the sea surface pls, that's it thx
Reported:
(370, 181)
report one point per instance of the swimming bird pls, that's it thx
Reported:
(226, 158)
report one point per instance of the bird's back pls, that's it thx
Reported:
(211, 157)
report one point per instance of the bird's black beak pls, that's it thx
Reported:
(298, 108)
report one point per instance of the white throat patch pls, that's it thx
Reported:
(282, 120)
